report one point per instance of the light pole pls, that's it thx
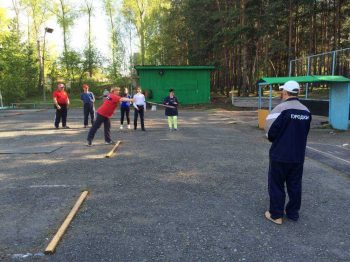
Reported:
(47, 30)
(1, 103)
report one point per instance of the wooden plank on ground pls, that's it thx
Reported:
(50, 249)
(110, 153)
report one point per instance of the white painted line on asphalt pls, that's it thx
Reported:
(51, 186)
(343, 147)
(27, 255)
(327, 154)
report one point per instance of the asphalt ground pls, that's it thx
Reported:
(198, 194)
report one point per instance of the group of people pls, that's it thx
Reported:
(287, 127)
(111, 100)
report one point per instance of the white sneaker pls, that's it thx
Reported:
(129, 127)
(121, 126)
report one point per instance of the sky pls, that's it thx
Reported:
(78, 33)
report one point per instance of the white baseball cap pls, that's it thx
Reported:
(291, 86)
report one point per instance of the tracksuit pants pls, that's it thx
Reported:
(140, 112)
(280, 174)
(61, 113)
(89, 110)
(172, 122)
(125, 111)
(97, 124)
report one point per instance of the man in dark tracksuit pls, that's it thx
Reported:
(61, 103)
(88, 99)
(287, 127)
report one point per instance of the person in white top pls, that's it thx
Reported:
(140, 108)
(105, 94)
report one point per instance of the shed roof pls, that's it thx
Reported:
(175, 67)
(328, 78)
(302, 79)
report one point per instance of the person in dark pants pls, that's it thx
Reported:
(140, 108)
(125, 110)
(287, 127)
(104, 113)
(61, 103)
(171, 113)
(88, 99)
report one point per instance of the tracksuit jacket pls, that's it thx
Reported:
(170, 101)
(287, 127)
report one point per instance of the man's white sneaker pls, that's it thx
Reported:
(129, 127)
(121, 127)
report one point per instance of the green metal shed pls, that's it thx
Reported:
(191, 83)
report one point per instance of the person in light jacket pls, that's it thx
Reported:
(140, 108)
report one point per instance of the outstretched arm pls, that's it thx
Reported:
(125, 99)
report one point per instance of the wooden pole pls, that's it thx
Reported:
(160, 104)
(110, 153)
(50, 249)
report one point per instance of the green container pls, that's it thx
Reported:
(191, 83)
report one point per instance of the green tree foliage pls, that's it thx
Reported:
(66, 14)
(248, 39)
(117, 48)
(37, 15)
(244, 39)
(90, 52)
(142, 14)
(18, 67)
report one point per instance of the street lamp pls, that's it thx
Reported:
(47, 30)
(1, 103)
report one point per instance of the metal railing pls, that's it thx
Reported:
(30, 105)
(329, 61)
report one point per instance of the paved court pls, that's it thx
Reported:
(335, 156)
(197, 194)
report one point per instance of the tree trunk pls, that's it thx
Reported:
(290, 31)
(89, 11)
(40, 67)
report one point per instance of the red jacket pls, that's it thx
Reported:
(61, 97)
(109, 105)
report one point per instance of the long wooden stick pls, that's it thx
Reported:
(110, 153)
(50, 249)
(160, 104)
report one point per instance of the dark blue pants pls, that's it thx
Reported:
(279, 175)
(124, 111)
(97, 124)
(61, 113)
(140, 112)
(89, 110)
